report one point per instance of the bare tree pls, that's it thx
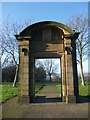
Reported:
(38, 63)
(50, 67)
(79, 23)
(9, 44)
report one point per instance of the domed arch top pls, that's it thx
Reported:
(40, 25)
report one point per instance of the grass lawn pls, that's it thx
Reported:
(83, 90)
(8, 91)
(58, 87)
(38, 87)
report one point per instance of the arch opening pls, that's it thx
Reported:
(48, 80)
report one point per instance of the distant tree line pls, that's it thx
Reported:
(40, 74)
(8, 73)
(42, 70)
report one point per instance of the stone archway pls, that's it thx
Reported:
(47, 39)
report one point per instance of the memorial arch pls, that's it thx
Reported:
(47, 39)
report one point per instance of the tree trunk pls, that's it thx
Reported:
(15, 78)
(81, 66)
(50, 78)
(82, 75)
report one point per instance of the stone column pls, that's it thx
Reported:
(32, 81)
(76, 89)
(63, 78)
(70, 98)
(23, 80)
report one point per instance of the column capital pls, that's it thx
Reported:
(70, 36)
(20, 38)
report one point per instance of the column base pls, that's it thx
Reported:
(77, 99)
(63, 98)
(24, 99)
(32, 99)
(70, 99)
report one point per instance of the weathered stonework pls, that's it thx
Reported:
(47, 40)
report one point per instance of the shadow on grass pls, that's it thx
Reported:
(40, 88)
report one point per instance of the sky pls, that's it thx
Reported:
(37, 11)
(43, 11)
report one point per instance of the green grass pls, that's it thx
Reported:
(58, 88)
(8, 91)
(38, 87)
(83, 90)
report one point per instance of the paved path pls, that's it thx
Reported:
(11, 109)
(51, 109)
(48, 89)
(48, 94)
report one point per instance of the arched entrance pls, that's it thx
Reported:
(47, 39)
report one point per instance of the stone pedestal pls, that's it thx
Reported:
(24, 99)
(70, 99)
(23, 79)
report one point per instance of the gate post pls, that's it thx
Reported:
(70, 98)
(63, 78)
(23, 76)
